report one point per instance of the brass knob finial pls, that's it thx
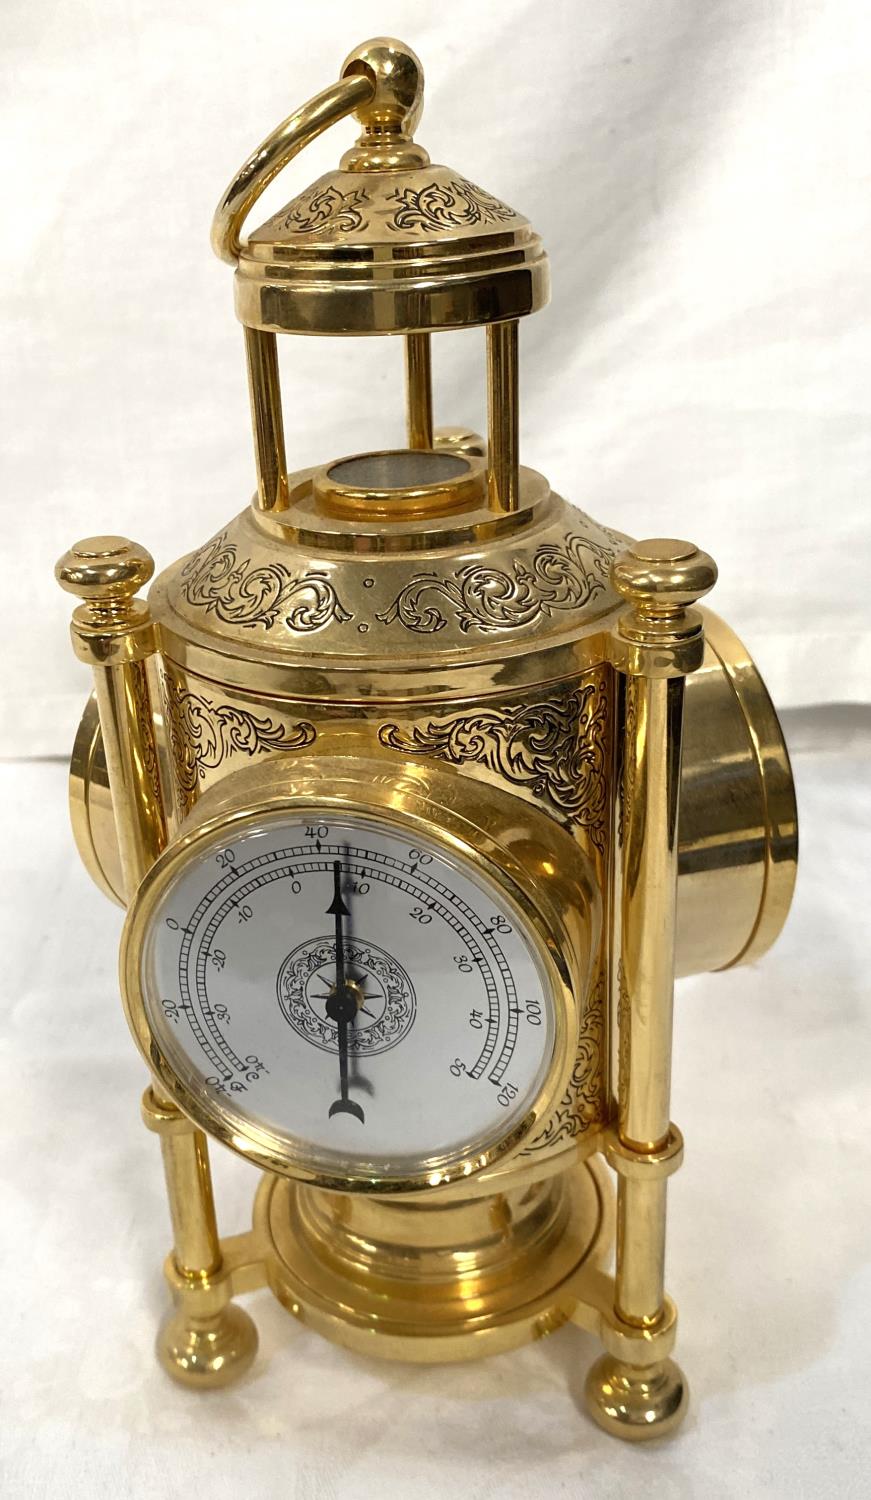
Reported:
(104, 569)
(661, 579)
(391, 115)
(661, 576)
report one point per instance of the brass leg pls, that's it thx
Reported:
(634, 1390)
(206, 1341)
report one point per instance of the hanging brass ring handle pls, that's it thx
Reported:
(304, 125)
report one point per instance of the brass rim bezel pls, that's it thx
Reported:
(460, 837)
(464, 491)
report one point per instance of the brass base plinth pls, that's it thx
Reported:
(207, 1353)
(636, 1404)
(434, 1281)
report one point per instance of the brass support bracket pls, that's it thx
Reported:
(204, 1295)
(627, 1342)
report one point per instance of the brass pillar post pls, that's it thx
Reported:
(503, 416)
(112, 631)
(418, 389)
(638, 1393)
(264, 388)
(207, 1341)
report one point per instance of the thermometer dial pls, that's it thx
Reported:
(357, 998)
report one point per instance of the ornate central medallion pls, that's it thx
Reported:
(386, 1004)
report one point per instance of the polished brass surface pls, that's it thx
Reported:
(738, 830)
(432, 637)
(322, 587)
(298, 130)
(401, 484)
(390, 116)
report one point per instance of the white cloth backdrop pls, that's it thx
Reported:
(700, 174)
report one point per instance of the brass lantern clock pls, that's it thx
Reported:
(419, 787)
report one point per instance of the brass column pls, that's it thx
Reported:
(503, 416)
(633, 1390)
(112, 631)
(208, 1340)
(264, 389)
(418, 389)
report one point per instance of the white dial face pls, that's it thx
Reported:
(369, 1000)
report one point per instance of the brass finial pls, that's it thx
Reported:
(391, 115)
(105, 572)
(660, 579)
(661, 576)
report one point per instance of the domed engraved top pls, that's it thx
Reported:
(389, 242)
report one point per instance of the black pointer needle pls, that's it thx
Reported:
(341, 1006)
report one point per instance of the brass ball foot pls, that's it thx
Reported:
(633, 1403)
(207, 1353)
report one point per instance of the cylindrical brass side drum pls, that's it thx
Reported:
(738, 824)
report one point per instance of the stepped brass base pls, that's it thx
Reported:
(431, 1282)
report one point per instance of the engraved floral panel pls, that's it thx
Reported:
(203, 734)
(555, 745)
(559, 576)
(252, 595)
(582, 1106)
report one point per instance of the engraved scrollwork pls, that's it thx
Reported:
(560, 576)
(624, 1039)
(456, 204)
(327, 208)
(145, 721)
(240, 593)
(555, 746)
(583, 1103)
(202, 734)
(625, 768)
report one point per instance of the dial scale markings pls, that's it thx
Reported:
(470, 985)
